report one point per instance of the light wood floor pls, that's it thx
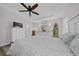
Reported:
(4, 49)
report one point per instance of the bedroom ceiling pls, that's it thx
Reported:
(55, 10)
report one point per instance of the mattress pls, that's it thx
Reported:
(39, 46)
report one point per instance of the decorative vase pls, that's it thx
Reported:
(33, 33)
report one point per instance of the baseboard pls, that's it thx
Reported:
(4, 44)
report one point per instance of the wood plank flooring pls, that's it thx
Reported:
(4, 49)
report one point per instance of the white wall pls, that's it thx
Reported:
(64, 26)
(6, 19)
(71, 11)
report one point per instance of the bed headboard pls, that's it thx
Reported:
(73, 25)
(77, 27)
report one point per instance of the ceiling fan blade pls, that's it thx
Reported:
(35, 12)
(24, 5)
(22, 10)
(34, 6)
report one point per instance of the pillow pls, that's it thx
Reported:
(68, 37)
(74, 45)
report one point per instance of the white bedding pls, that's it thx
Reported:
(39, 46)
(74, 45)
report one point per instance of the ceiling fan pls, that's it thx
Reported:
(29, 9)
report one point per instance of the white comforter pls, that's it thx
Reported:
(39, 46)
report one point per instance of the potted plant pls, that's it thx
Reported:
(56, 30)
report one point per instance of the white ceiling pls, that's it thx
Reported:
(45, 9)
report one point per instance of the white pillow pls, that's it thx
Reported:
(74, 45)
(68, 37)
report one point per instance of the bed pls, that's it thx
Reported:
(46, 45)
(41, 45)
